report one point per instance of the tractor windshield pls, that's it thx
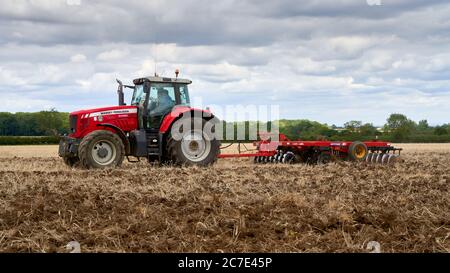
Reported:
(138, 95)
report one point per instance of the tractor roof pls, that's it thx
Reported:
(161, 80)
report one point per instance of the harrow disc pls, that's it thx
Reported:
(392, 159)
(374, 158)
(369, 157)
(380, 158)
(279, 156)
(385, 158)
(288, 158)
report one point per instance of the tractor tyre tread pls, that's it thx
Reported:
(83, 151)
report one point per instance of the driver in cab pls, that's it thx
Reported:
(163, 104)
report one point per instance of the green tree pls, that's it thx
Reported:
(49, 122)
(27, 124)
(399, 127)
(447, 127)
(353, 126)
(368, 129)
(8, 124)
(440, 130)
(423, 125)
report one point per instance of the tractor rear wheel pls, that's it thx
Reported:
(196, 145)
(101, 149)
(357, 151)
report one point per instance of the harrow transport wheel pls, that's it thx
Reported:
(71, 161)
(357, 151)
(197, 146)
(101, 149)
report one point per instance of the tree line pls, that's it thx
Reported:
(43, 123)
(398, 128)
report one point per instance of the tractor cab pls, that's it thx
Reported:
(156, 97)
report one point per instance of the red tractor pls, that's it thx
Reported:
(159, 124)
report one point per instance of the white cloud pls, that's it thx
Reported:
(78, 58)
(112, 55)
(318, 60)
(10, 78)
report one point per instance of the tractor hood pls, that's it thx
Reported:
(104, 111)
(122, 118)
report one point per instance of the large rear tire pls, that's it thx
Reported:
(196, 145)
(101, 149)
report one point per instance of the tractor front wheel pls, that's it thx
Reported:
(101, 149)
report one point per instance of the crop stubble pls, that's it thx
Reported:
(234, 206)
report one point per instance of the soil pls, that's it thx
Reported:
(233, 206)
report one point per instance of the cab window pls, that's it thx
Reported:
(184, 95)
(161, 98)
(138, 95)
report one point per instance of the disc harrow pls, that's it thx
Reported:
(285, 151)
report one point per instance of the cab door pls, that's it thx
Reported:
(161, 100)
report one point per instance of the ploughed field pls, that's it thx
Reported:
(233, 206)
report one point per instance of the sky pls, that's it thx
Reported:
(330, 60)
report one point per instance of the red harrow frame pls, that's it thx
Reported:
(317, 152)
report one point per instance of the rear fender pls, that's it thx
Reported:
(178, 113)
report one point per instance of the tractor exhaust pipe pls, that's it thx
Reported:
(120, 93)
